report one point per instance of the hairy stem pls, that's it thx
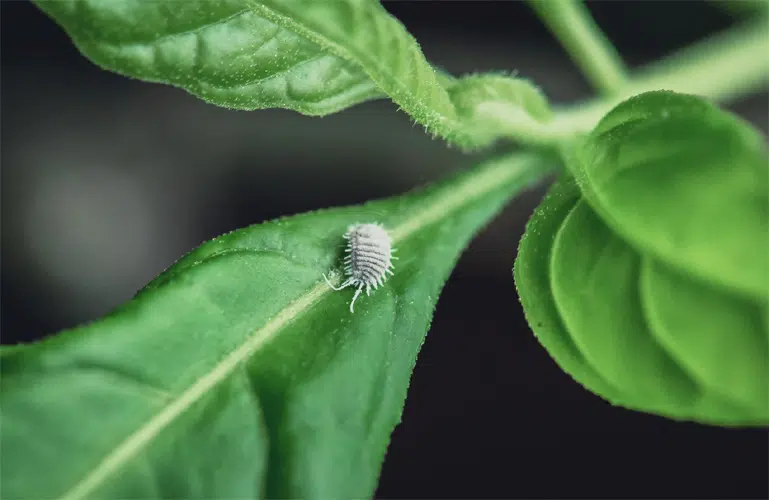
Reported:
(572, 24)
(722, 67)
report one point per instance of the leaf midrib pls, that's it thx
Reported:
(343, 52)
(496, 175)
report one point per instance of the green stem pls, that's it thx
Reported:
(572, 24)
(514, 122)
(723, 67)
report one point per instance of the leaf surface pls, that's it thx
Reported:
(644, 274)
(314, 57)
(532, 279)
(691, 323)
(687, 182)
(238, 373)
(221, 51)
(595, 281)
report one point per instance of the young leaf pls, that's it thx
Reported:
(238, 373)
(615, 263)
(313, 57)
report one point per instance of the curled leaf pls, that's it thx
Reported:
(687, 183)
(629, 270)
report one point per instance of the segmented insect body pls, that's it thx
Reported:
(368, 260)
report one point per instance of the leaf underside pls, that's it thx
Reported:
(308, 56)
(223, 52)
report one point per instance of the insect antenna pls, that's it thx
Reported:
(347, 283)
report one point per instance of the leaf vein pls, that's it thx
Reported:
(504, 170)
(191, 31)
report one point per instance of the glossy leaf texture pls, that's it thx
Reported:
(613, 270)
(239, 373)
(309, 56)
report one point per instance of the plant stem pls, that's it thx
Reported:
(722, 67)
(572, 24)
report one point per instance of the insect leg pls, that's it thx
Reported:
(357, 292)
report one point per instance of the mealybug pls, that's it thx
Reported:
(368, 260)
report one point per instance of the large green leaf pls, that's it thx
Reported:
(633, 274)
(631, 330)
(238, 373)
(315, 57)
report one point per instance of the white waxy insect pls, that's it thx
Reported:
(368, 260)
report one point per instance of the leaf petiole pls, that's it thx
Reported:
(589, 48)
(720, 68)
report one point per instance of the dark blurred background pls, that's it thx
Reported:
(106, 181)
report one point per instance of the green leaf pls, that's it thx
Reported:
(594, 278)
(611, 269)
(690, 322)
(312, 57)
(491, 104)
(686, 182)
(222, 51)
(532, 271)
(633, 332)
(238, 373)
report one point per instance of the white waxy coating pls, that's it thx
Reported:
(368, 260)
